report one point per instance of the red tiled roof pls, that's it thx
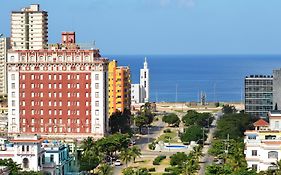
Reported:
(261, 122)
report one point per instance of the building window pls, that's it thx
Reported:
(273, 155)
(13, 85)
(23, 77)
(68, 76)
(97, 103)
(23, 86)
(78, 94)
(254, 152)
(97, 112)
(23, 120)
(87, 77)
(14, 94)
(50, 76)
(13, 103)
(50, 86)
(60, 77)
(97, 85)
(68, 120)
(42, 120)
(96, 76)
(13, 76)
(41, 112)
(87, 121)
(77, 85)
(87, 85)
(276, 125)
(77, 76)
(97, 95)
(32, 77)
(50, 112)
(13, 112)
(22, 148)
(68, 103)
(254, 167)
(68, 85)
(52, 158)
(60, 86)
(32, 120)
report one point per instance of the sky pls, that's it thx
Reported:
(165, 27)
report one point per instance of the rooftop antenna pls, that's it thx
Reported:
(94, 44)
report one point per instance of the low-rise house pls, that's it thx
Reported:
(263, 144)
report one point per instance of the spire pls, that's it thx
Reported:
(145, 63)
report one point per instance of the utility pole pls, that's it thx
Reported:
(176, 93)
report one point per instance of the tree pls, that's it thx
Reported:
(125, 156)
(135, 152)
(13, 166)
(105, 169)
(227, 109)
(171, 119)
(178, 159)
(192, 133)
(144, 117)
(194, 118)
(218, 170)
(120, 122)
(234, 125)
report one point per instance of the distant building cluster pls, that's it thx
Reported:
(58, 91)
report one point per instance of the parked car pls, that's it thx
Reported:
(117, 163)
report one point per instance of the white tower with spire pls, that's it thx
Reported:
(144, 82)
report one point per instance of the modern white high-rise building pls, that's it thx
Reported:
(29, 28)
(4, 46)
(140, 92)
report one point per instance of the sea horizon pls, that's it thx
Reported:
(181, 78)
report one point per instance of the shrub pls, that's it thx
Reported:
(152, 146)
(152, 169)
(158, 159)
(167, 131)
(178, 159)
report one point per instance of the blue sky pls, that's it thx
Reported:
(163, 26)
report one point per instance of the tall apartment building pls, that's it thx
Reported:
(277, 89)
(258, 95)
(140, 92)
(61, 92)
(119, 87)
(4, 46)
(29, 28)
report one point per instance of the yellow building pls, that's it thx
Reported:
(119, 87)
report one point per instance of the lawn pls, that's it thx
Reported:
(165, 137)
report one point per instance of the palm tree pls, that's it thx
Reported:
(125, 156)
(87, 144)
(135, 152)
(105, 169)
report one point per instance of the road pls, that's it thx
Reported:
(208, 159)
(151, 134)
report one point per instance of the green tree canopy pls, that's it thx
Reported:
(120, 122)
(178, 159)
(228, 109)
(192, 133)
(172, 119)
(194, 118)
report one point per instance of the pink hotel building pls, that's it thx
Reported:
(59, 92)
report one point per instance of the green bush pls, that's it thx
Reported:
(158, 159)
(152, 169)
(152, 146)
(167, 131)
(178, 159)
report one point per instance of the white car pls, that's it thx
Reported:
(117, 163)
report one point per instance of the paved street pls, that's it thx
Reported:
(207, 159)
(151, 133)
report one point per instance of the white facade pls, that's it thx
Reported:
(29, 28)
(99, 112)
(135, 93)
(140, 92)
(144, 82)
(263, 145)
(4, 46)
(13, 96)
(25, 150)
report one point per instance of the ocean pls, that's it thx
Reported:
(180, 78)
